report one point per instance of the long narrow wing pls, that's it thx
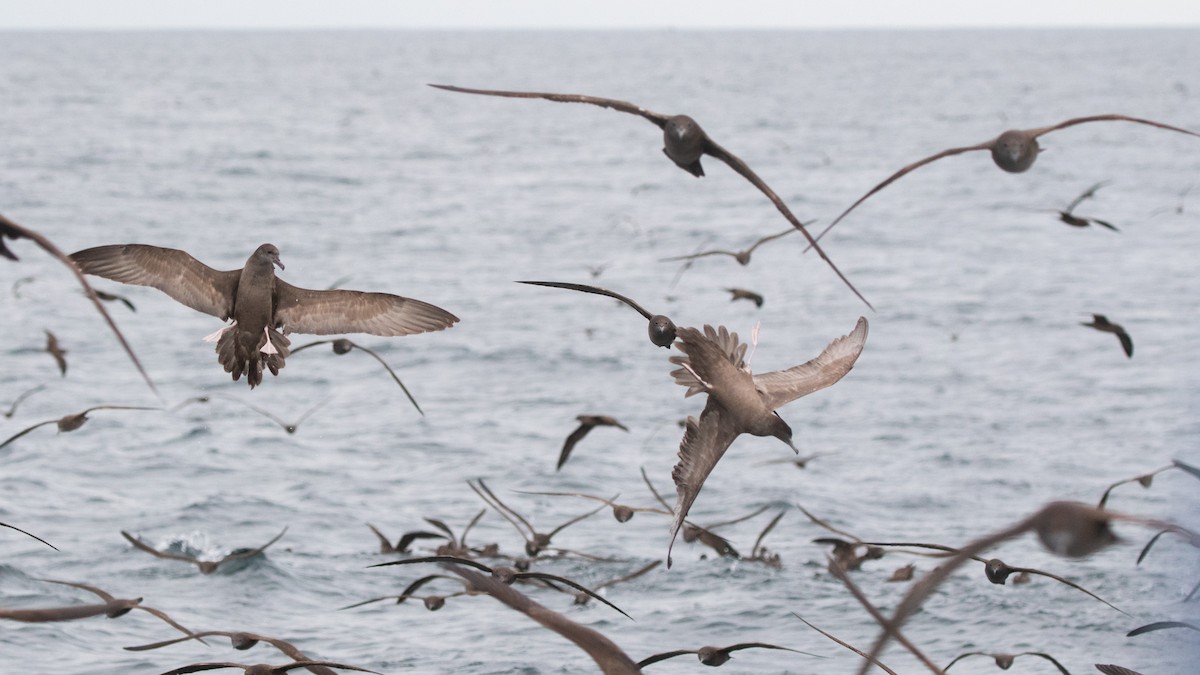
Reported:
(693, 256)
(1049, 658)
(771, 237)
(329, 312)
(1086, 194)
(91, 589)
(704, 443)
(1068, 582)
(658, 119)
(174, 272)
(569, 444)
(711, 147)
(260, 549)
(25, 431)
(139, 544)
(907, 169)
(1106, 118)
(783, 386)
(584, 288)
(391, 372)
(13, 527)
(664, 656)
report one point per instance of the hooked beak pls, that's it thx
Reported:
(275, 259)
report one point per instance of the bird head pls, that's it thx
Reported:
(1015, 151)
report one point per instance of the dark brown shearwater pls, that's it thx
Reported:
(14, 231)
(1005, 661)
(1068, 216)
(263, 668)
(1013, 151)
(607, 655)
(68, 423)
(206, 566)
(1145, 480)
(289, 427)
(621, 512)
(661, 329)
(112, 608)
(586, 424)
(406, 539)
(259, 303)
(12, 409)
(55, 350)
(1102, 324)
(535, 542)
(711, 656)
(742, 256)
(739, 402)
(745, 294)
(241, 641)
(684, 142)
(343, 346)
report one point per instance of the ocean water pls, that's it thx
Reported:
(978, 398)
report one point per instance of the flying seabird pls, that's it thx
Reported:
(432, 602)
(263, 668)
(586, 424)
(113, 297)
(406, 539)
(343, 346)
(661, 329)
(259, 303)
(744, 294)
(845, 644)
(684, 142)
(621, 512)
(739, 402)
(1102, 324)
(241, 641)
(1013, 151)
(14, 231)
(611, 659)
(535, 542)
(12, 409)
(743, 256)
(1068, 216)
(1145, 480)
(289, 427)
(1005, 661)
(112, 608)
(56, 350)
(583, 598)
(205, 566)
(72, 422)
(711, 656)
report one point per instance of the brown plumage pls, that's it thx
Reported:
(241, 641)
(506, 575)
(263, 668)
(1067, 529)
(535, 542)
(112, 608)
(12, 409)
(34, 536)
(845, 644)
(608, 656)
(431, 602)
(12, 230)
(586, 424)
(1068, 216)
(1145, 480)
(621, 512)
(406, 539)
(745, 294)
(742, 256)
(68, 423)
(1005, 661)
(739, 402)
(1102, 324)
(289, 427)
(1113, 669)
(684, 142)
(1013, 151)
(343, 346)
(205, 566)
(259, 303)
(583, 598)
(711, 656)
(113, 297)
(660, 327)
(903, 573)
(60, 355)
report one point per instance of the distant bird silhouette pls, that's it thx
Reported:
(242, 641)
(845, 551)
(56, 350)
(608, 656)
(112, 608)
(661, 329)
(1102, 324)
(1145, 480)
(12, 230)
(262, 668)
(457, 545)
(343, 346)
(1068, 216)
(535, 542)
(903, 573)
(432, 602)
(16, 285)
(1067, 529)
(205, 566)
(583, 598)
(68, 423)
(743, 294)
(505, 575)
(586, 424)
(1005, 661)
(406, 539)
(12, 409)
(621, 512)
(845, 644)
(798, 462)
(1112, 669)
(113, 297)
(710, 656)
(259, 303)
(290, 427)
(684, 143)
(34, 536)
(743, 256)
(760, 553)
(1013, 151)
(739, 402)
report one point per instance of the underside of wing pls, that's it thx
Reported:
(623, 106)
(704, 443)
(334, 312)
(171, 271)
(782, 386)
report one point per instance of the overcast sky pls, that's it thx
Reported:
(115, 14)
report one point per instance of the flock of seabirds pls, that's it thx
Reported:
(263, 310)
